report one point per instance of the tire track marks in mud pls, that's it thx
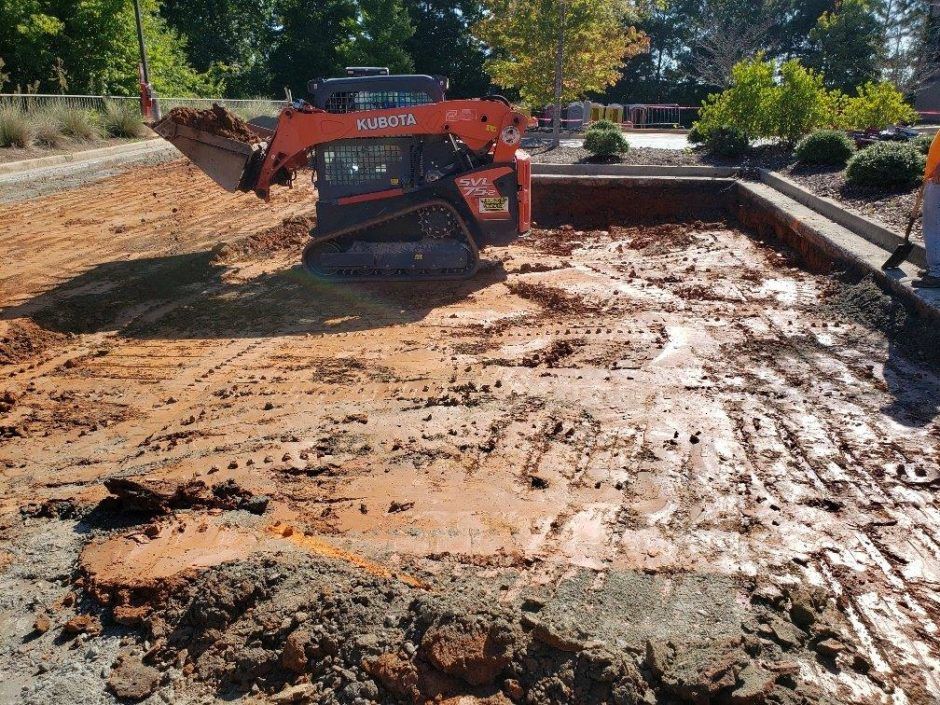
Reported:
(666, 409)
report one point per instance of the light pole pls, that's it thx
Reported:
(149, 108)
(559, 63)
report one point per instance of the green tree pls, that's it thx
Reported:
(444, 45)
(747, 105)
(847, 46)
(230, 39)
(311, 41)
(92, 46)
(522, 34)
(381, 35)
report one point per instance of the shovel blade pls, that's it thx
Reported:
(900, 256)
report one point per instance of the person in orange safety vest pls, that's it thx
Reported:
(931, 276)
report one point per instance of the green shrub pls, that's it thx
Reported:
(799, 104)
(120, 119)
(728, 142)
(606, 143)
(695, 135)
(15, 130)
(47, 128)
(886, 164)
(876, 106)
(79, 124)
(605, 125)
(922, 143)
(830, 147)
(765, 102)
(747, 105)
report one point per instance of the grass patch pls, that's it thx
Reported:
(119, 119)
(15, 129)
(79, 124)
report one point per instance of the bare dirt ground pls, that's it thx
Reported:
(640, 465)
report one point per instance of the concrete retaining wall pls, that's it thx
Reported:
(633, 170)
(598, 201)
(873, 232)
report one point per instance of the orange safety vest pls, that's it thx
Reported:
(932, 172)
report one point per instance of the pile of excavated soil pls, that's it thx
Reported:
(216, 120)
(292, 233)
(22, 339)
(313, 630)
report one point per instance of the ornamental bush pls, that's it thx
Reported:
(877, 106)
(728, 142)
(605, 125)
(606, 143)
(829, 147)
(886, 164)
(922, 143)
(789, 102)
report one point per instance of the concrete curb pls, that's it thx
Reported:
(714, 172)
(873, 232)
(142, 146)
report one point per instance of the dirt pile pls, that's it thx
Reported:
(215, 120)
(291, 234)
(319, 631)
(22, 339)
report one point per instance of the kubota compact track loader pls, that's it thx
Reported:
(410, 185)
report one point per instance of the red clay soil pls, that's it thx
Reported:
(216, 120)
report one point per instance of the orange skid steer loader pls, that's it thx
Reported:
(410, 185)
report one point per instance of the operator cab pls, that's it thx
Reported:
(372, 88)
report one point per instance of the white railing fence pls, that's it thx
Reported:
(38, 102)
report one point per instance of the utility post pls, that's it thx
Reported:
(559, 67)
(149, 108)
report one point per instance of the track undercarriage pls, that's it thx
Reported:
(427, 241)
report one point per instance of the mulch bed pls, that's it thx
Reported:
(890, 207)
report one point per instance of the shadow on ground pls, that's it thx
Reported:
(188, 296)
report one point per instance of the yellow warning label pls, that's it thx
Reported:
(494, 205)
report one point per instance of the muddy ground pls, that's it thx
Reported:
(640, 465)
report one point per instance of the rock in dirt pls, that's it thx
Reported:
(830, 648)
(82, 624)
(215, 120)
(754, 685)
(474, 652)
(295, 654)
(42, 624)
(132, 681)
(303, 693)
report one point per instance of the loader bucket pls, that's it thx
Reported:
(226, 161)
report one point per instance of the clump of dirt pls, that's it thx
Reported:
(553, 355)
(158, 496)
(292, 233)
(215, 120)
(21, 339)
(658, 239)
(561, 241)
(552, 299)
